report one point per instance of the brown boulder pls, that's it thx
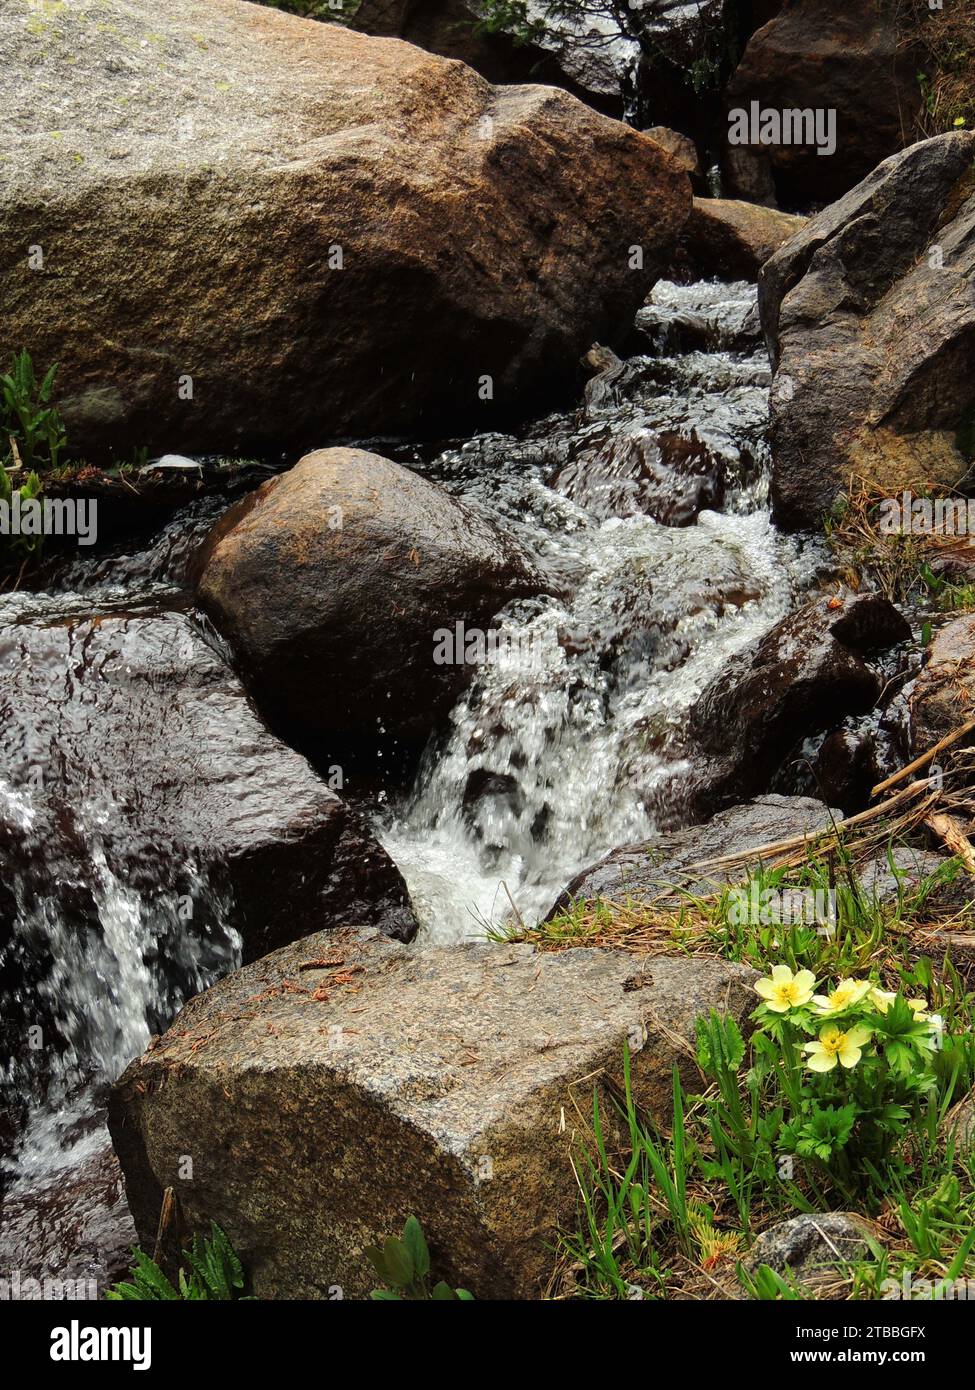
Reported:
(331, 581)
(869, 314)
(818, 55)
(682, 150)
(731, 240)
(239, 228)
(943, 696)
(314, 1100)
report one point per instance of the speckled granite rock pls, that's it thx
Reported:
(324, 1093)
(812, 1246)
(313, 231)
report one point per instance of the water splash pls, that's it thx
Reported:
(547, 766)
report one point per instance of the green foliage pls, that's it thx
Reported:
(20, 547)
(767, 1285)
(404, 1266)
(212, 1272)
(855, 1072)
(27, 416)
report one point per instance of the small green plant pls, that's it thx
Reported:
(856, 1072)
(213, 1272)
(31, 429)
(404, 1266)
(767, 1285)
(20, 547)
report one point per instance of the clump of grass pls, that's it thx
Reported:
(943, 41)
(901, 564)
(32, 433)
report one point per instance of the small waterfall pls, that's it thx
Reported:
(91, 965)
(570, 743)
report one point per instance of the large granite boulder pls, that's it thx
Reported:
(313, 1101)
(233, 227)
(869, 314)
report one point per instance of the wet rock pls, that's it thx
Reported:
(389, 230)
(69, 1235)
(673, 862)
(724, 320)
(869, 315)
(731, 240)
(666, 475)
(853, 758)
(807, 674)
(331, 581)
(813, 1247)
(437, 1082)
(150, 771)
(943, 696)
(821, 56)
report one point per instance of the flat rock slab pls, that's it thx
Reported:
(323, 1094)
(679, 861)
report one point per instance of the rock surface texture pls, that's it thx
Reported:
(728, 239)
(943, 696)
(331, 581)
(817, 55)
(151, 768)
(810, 671)
(678, 861)
(869, 314)
(386, 1081)
(234, 227)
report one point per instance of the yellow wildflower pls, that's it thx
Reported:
(847, 992)
(783, 991)
(834, 1046)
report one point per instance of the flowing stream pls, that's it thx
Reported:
(647, 509)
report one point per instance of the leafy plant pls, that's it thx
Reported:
(855, 1071)
(29, 423)
(404, 1265)
(214, 1273)
(20, 546)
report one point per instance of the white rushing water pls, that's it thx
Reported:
(570, 746)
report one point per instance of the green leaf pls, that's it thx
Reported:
(415, 1243)
(399, 1263)
(443, 1293)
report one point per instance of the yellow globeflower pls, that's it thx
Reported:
(882, 1000)
(847, 992)
(834, 1046)
(783, 991)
